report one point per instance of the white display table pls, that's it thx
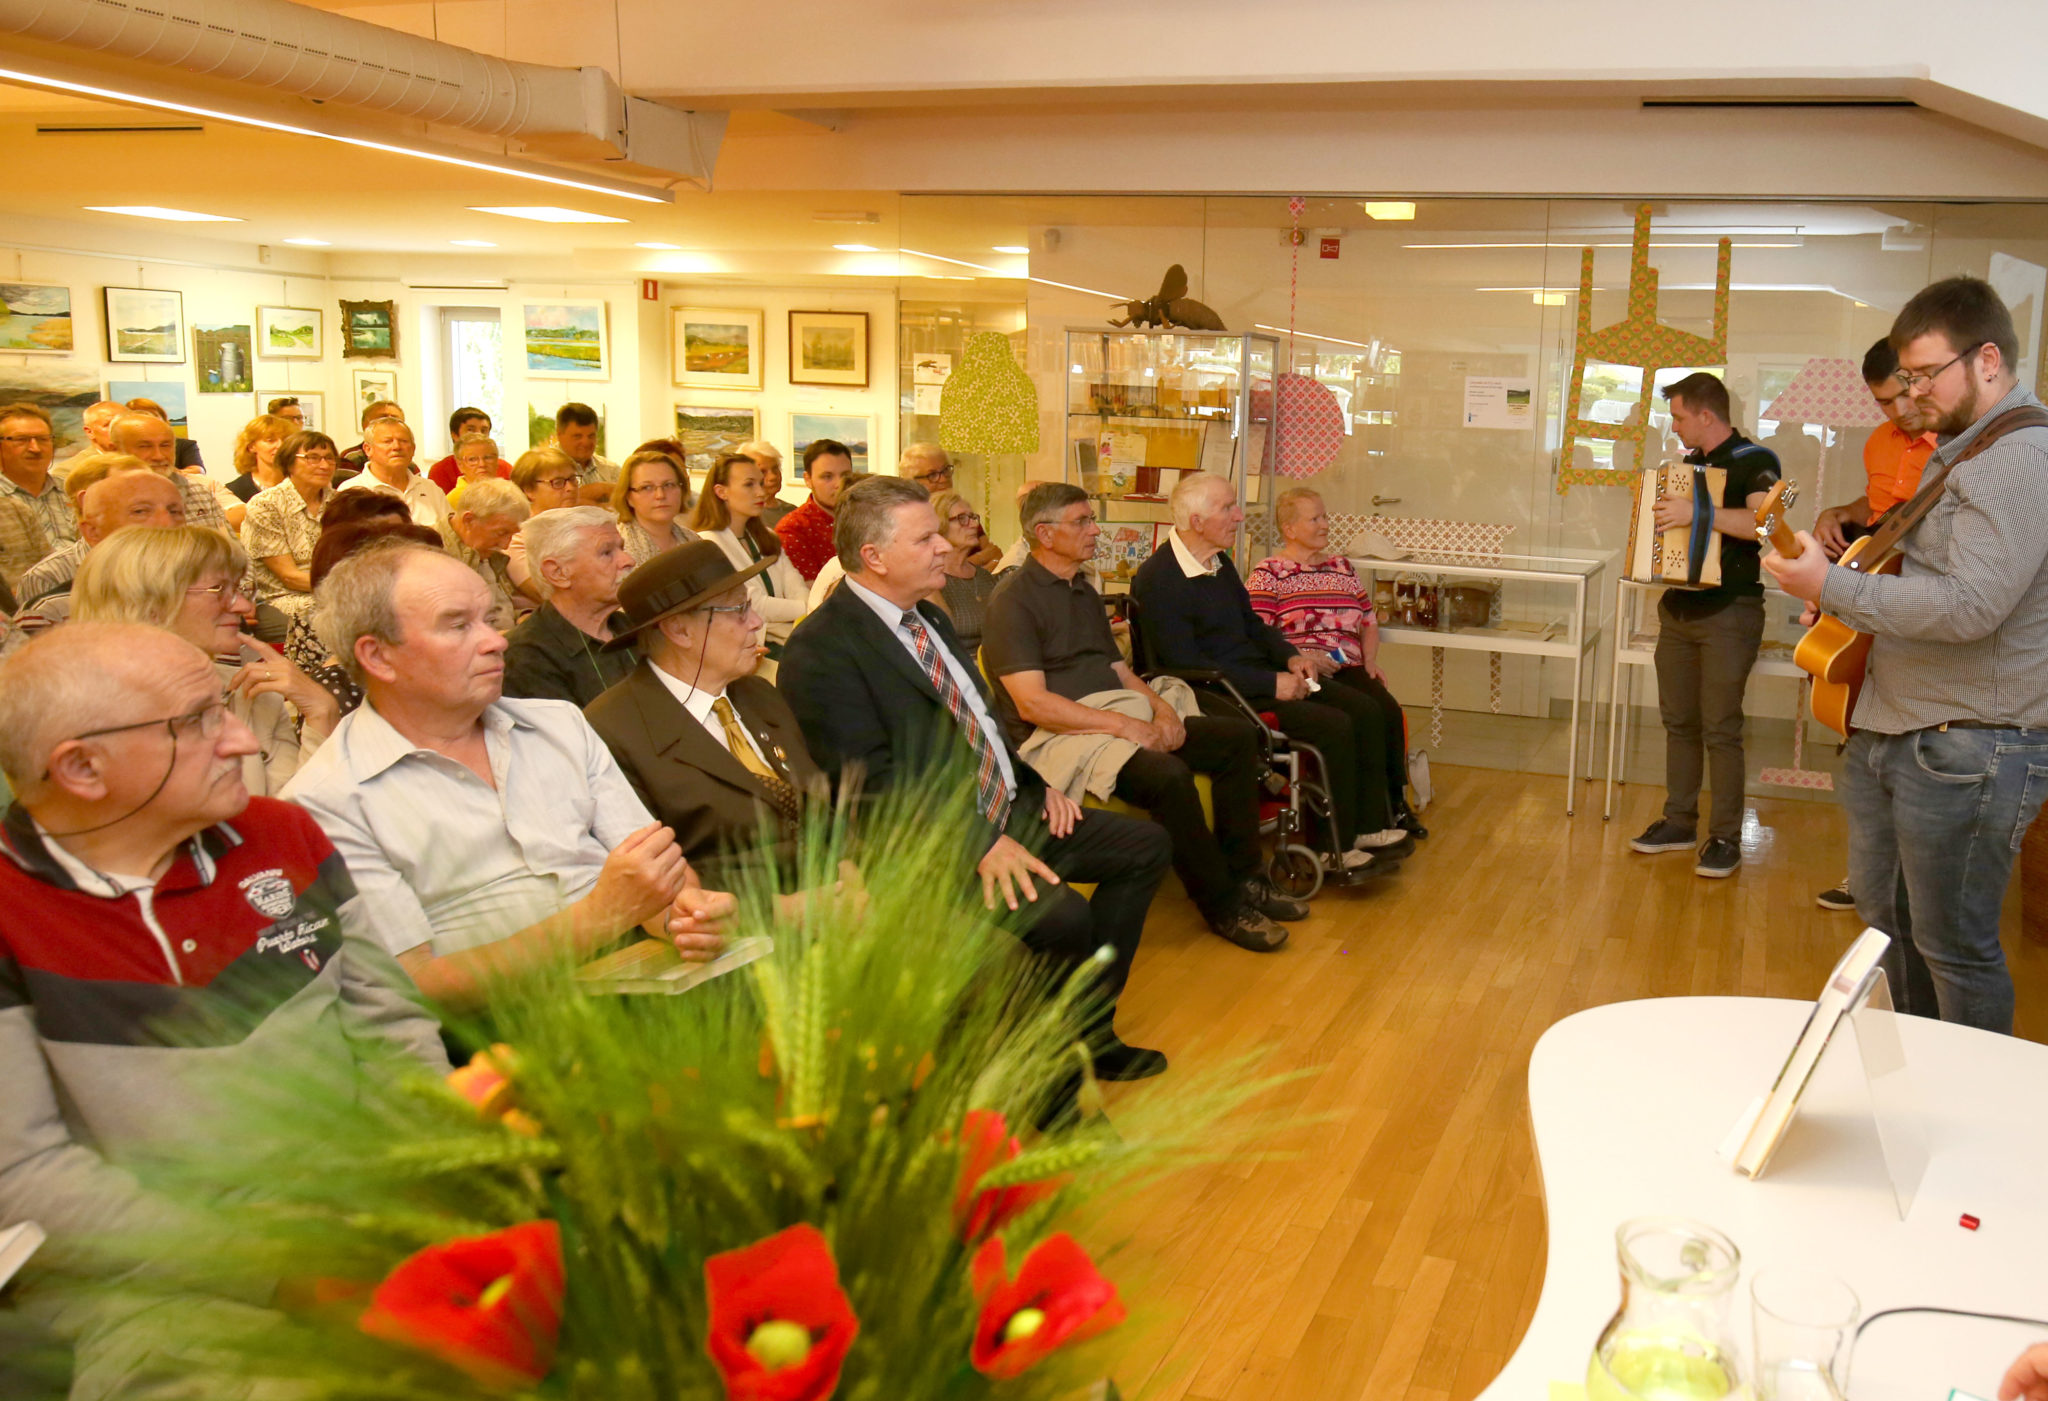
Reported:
(1629, 1102)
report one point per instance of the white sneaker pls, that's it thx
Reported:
(1354, 860)
(1391, 836)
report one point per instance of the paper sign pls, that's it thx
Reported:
(1127, 450)
(931, 368)
(1499, 403)
(925, 398)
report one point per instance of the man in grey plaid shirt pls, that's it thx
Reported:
(1949, 761)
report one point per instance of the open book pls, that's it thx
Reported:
(653, 965)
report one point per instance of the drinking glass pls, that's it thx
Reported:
(1805, 1327)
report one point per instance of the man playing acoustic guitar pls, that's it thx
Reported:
(1949, 760)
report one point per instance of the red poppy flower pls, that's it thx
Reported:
(1057, 1299)
(780, 1323)
(490, 1305)
(985, 1142)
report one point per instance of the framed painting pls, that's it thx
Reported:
(369, 331)
(540, 426)
(851, 429)
(566, 340)
(371, 386)
(708, 433)
(715, 347)
(311, 405)
(35, 319)
(288, 332)
(144, 326)
(221, 359)
(829, 347)
(166, 394)
(63, 389)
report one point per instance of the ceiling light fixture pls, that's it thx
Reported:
(845, 216)
(309, 242)
(471, 243)
(663, 247)
(996, 272)
(856, 248)
(1020, 250)
(157, 211)
(1547, 298)
(1654, 243)
(1309, 335)
(1389, 208)
(545, 213)
(164, 105)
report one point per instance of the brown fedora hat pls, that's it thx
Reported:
(675, 581)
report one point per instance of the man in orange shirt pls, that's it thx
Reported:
(1892, 458)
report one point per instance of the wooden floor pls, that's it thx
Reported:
(1397, 1252)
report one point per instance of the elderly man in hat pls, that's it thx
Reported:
(709, 747)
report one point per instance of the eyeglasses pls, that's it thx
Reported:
(730, 608)
(558, 483)
(657, 488)
(326, 457)
(206, 722)
(965, 518)
(221, 594)
(28, 439)
(1909, 378)
(946, 472)
(1079, 522)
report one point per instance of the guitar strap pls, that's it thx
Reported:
(1894, 524)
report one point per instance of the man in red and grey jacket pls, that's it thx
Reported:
(161, 933)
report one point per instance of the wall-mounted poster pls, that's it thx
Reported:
(715, 347)
(145, 326)
(371, 386)
(288, 332)
(220, 359)
(166, 394)
(63, 389)
(35, 319)
(854, 431)
(311, 405)
(369, 331)
(708, 433)
(566, 340)
(828, 347)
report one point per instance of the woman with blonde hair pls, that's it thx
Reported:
(968, 585)
(729, 515)
(650, 495)
(187, 579)
(768, 458)
(550, 480)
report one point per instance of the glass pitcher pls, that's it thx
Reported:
(1670, 1339)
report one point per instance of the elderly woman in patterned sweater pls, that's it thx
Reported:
(1318, 601)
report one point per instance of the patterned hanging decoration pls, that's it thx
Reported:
(1307, 419)
(989, 404)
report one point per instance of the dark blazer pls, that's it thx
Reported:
(691, 782)
(862, 699)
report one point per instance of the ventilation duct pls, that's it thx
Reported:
(296, 51)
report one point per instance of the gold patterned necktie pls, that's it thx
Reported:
(781, 796)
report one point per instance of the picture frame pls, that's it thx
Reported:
(829, 347)
(709, 431)
(857, 431)
(369, 386)
(540, 424)
(35, 319)
(312, 403)
(289, 333)
(168, 393)
(63, 388)
(145, 326)
(222, 360)
(369, 330)
(714, 347)
(565, 340)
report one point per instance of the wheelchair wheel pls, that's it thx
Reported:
(1295, 871)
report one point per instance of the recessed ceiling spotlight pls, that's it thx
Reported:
(1019, 249)
(1547, 298)
(157, 211)
(856, 248)
(310, 242)
(664, 247)
(472, 243)
(545, 213)
(1390, 208)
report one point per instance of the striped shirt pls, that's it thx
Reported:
(1318, 607)
(51, 505)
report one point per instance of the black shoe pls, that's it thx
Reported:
(1121, 1062)
(1837, 899)
(1258, 892)
(1719, 857)
(1411, 824)
(1664, 835)
(1249, 929)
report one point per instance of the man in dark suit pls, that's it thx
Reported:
(877, 679)
(711, 749)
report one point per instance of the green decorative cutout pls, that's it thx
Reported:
(989, 404)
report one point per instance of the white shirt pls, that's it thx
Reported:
(442, 858)
(782, 605)
(892, 615)
(427, 502)
(1185, 557)
(699, 704)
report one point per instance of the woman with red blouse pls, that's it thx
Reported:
(1319, 603)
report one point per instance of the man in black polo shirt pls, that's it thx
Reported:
(1073, 704)
(1707, 639)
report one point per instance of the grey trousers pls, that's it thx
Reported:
(1702, 670)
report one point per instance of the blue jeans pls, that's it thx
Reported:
(1935, 818)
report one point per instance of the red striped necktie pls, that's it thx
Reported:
(988, 777)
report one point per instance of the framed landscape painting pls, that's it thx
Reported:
(708, 433)
(371, 386)
(63, 389)
(851, 429)
(144, 326)
(168, 394)
(828, 347)
(35, 319)
(369, 331)
(220, 359)
(566, 340)
(288, 332)
(715, 348)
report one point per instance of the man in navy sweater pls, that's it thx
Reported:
(1195, 613)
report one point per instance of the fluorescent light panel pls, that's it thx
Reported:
(545, 213)
(663, 247)
(1390, 208)
(310, 242)
(1016, 249)
(856, 248)
(157, 211)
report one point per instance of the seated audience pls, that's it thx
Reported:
(388, 467)
(1020, 550)
(475, 459)
(548, 478)
(256, 459)
(1316, 599)
(143, 895)
(283, 524)
(1195, 613)
(288, 408)
(477, 533)
(342, 533)
(968, 585)
(485, 835)
(880, 687)
(27, 443)
(1086, 721)
(354, 459)
(806, 532)
(188, 579)
(728, 514)
(149, 437)
(126, 493)
(578, 561)
(928, 465)
(97, 421)
(652, 492)
(185, 452)
(768, 458)
(463, 424)
(576, 434)
(711, 749)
